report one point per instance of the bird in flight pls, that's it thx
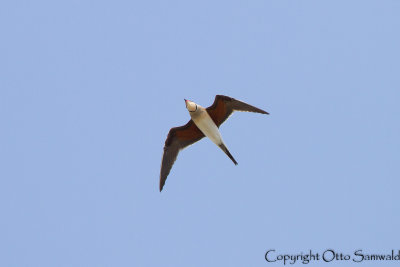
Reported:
(204, 122)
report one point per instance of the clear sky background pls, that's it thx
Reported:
(90, 89)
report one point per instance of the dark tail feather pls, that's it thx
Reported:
(223, 147)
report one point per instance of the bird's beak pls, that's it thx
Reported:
(185, 100)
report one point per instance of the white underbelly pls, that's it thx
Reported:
(209, 129)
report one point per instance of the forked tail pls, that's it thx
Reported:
(223, 147)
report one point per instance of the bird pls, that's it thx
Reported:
(203, 122)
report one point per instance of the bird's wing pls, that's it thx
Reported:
(224, 106)
(178, 138)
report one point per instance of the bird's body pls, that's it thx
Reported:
(204, 122)
(206, 125)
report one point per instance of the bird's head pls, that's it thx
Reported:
(191, 106)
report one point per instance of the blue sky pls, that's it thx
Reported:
(90, 89)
